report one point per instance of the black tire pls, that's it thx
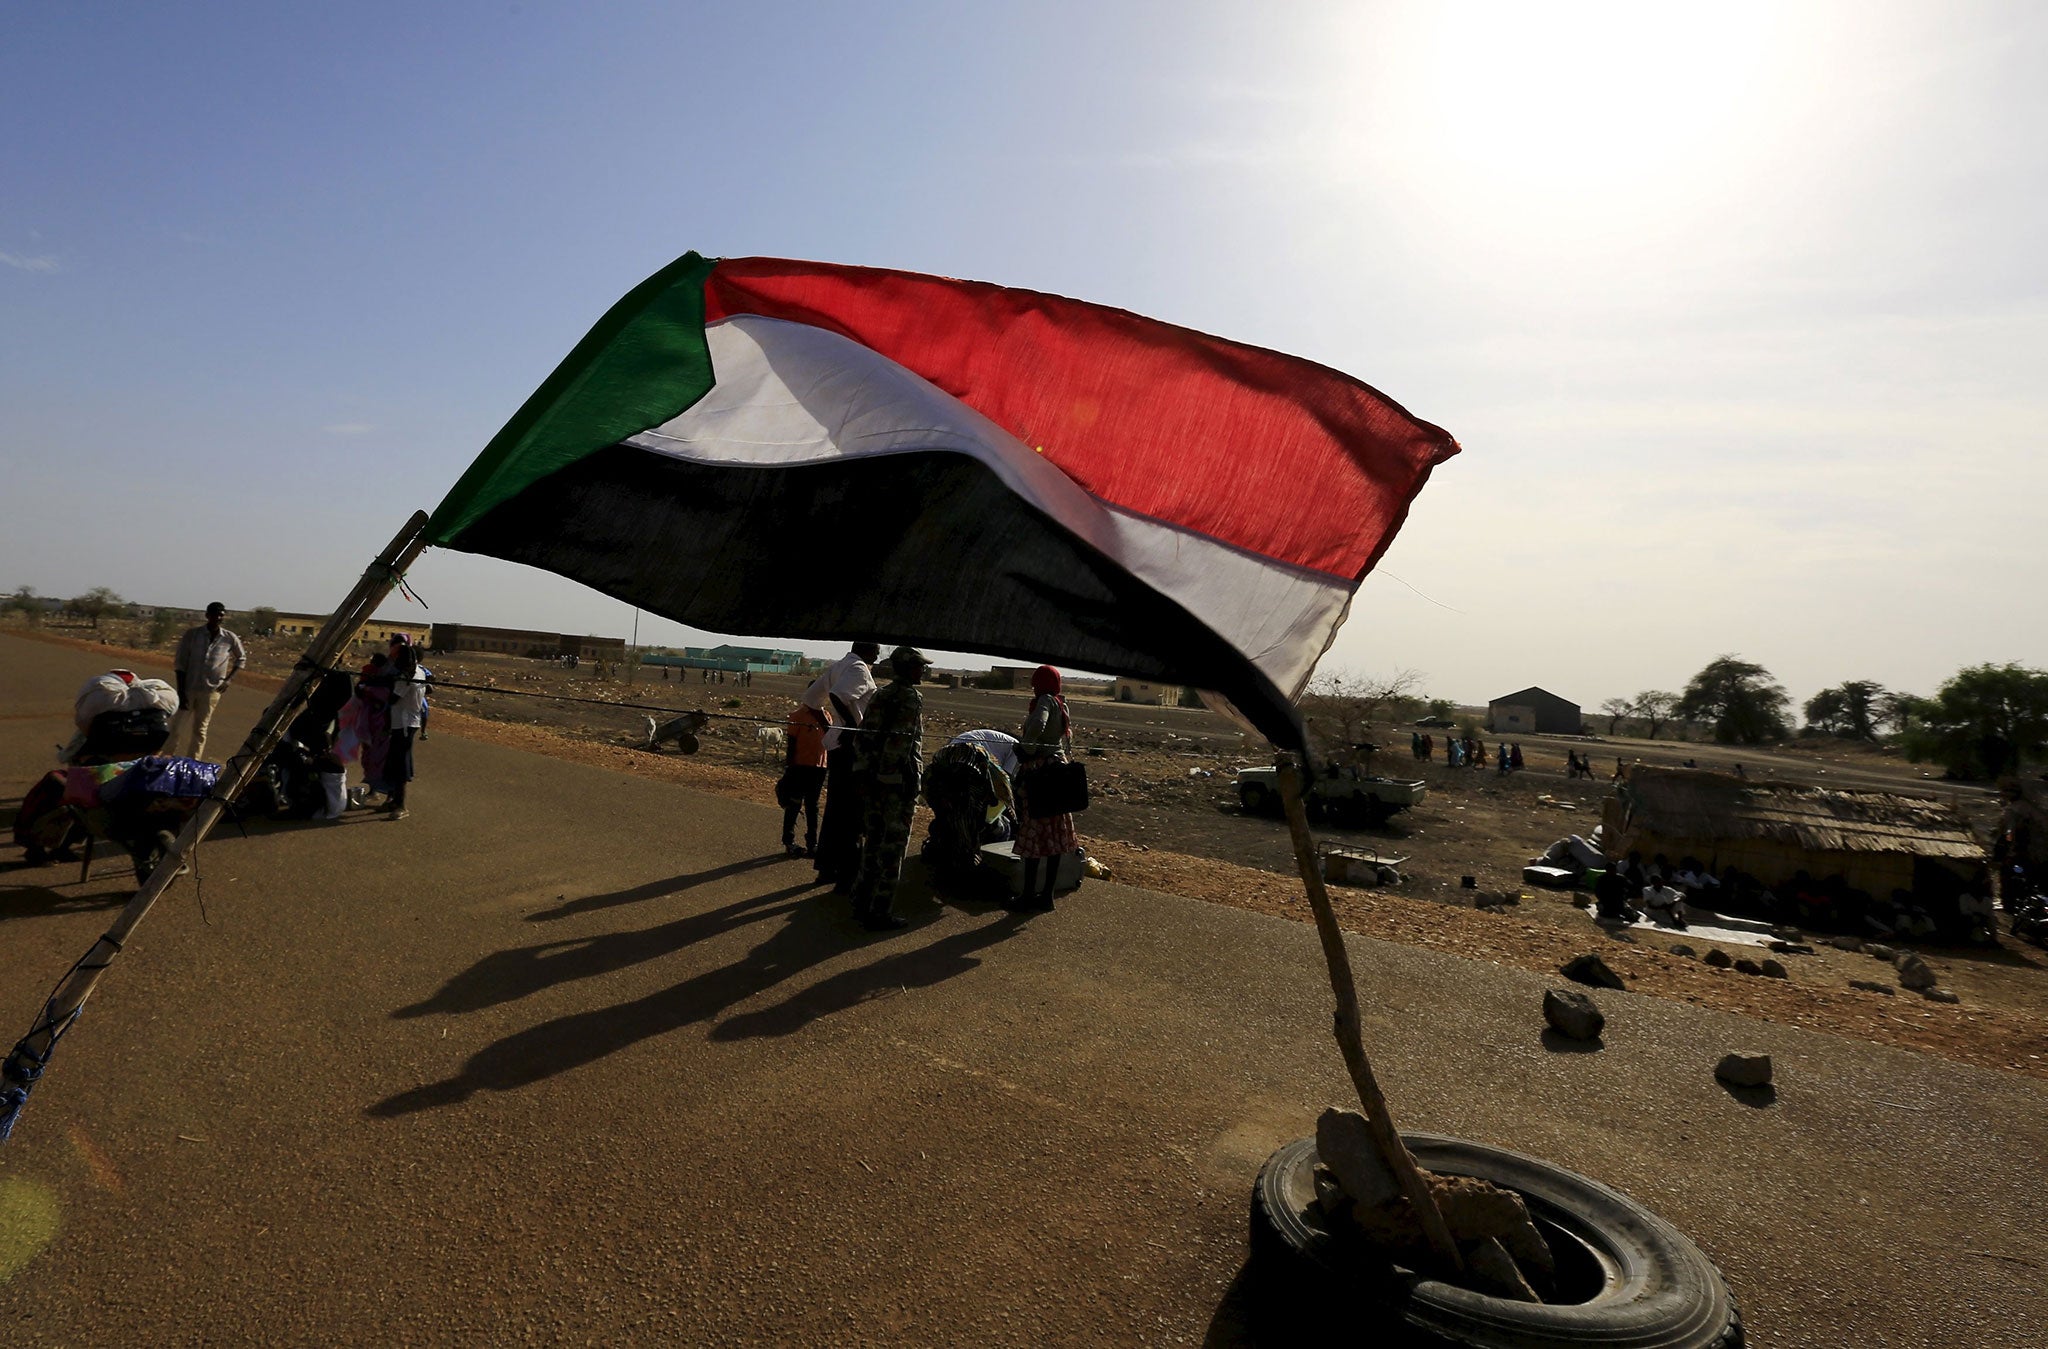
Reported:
(1626, 1278)
(1257, 799)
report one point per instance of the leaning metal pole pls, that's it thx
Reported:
(1350, 1040)
(24, 1066)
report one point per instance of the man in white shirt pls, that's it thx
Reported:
(408, 711)
(842, 693)
(209, 657)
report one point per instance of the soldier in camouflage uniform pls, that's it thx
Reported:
(888, 757)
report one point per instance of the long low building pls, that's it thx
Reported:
(754, 659)
(377, 632)
(455, 637)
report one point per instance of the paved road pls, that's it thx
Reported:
(569, 1056)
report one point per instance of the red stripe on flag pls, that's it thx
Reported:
(1270, 453)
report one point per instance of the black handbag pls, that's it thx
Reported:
(1054, 789)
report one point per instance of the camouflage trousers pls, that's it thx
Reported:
(885, 835)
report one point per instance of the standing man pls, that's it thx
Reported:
(209, 657)
(842, 693)
(888, 759)
(408, 718)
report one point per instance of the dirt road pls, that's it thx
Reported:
(570, 1055)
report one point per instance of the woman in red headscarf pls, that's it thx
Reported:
(1043, 839)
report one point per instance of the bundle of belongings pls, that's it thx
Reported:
(120, 716)
(138, 804)
(114, 785)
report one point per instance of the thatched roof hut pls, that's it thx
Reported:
(1876, 841)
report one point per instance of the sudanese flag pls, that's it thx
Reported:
(795, 449)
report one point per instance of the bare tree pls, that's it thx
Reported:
(1656, 707)
(1614, 709)
(1342, 704)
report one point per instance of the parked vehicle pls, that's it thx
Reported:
(1341, 793)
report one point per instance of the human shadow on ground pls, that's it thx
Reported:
(506, 976)
(812, 934)
(653, 889)
(900, 972)
(42, 901)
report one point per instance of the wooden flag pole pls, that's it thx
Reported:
(1350, 1040)
(26, 1063)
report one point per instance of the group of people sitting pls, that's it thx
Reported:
(1467, 752)
(1630, 889)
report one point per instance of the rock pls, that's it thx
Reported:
(1846, 943)
(1592, 971)
(1915, 973)
(1791, 948)
(1571, 1013)
(1872, 986)
(1718, 958)
(1773, 970)
(1879, 952)
(1490, 1271)
(1478, 1210)
(1330, 1196)
(1744, 1068)
(1939, 995)
(1344, 1142)
(1681, 949)
(1748, 966)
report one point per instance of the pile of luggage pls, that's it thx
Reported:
(114, 785)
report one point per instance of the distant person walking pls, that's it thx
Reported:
(209, 657)
(888, 760)
(842, 693)
(1042, 839)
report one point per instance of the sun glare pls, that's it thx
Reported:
(1571, 105)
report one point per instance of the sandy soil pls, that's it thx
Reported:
(1167, 819)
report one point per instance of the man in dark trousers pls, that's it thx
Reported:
(842, 693)
(888, 757)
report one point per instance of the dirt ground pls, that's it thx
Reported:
(1166, 818)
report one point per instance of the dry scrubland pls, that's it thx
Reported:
(1167, 819)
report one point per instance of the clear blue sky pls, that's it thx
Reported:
(1738, 311)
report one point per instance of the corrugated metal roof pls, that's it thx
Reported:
(1689, 803)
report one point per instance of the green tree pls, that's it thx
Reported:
(25, 599)
(96, 604)
(163, 626)
(263, 619)
(1739, 699)
(1985, 722)
(1654, 706)
(1852, 709)
(1901, 710)
(1442, 707)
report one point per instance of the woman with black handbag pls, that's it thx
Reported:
(1045, 823)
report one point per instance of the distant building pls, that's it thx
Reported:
(1534, 711)
(1147, 694)
(753, 659)
(449, 638)
(378, 632)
